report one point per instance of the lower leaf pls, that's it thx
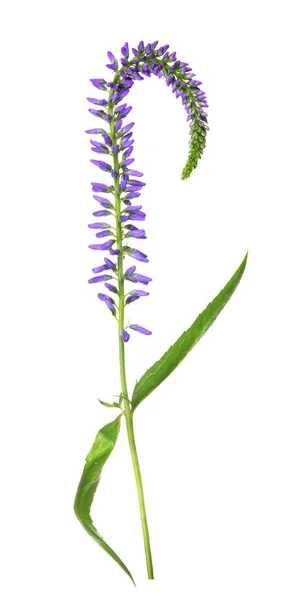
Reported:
(102, 448)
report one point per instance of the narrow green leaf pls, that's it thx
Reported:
(103, 446)
(176, 353)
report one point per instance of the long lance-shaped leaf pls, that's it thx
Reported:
(103, 446)
(176, 353)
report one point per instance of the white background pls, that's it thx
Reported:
(216, 441)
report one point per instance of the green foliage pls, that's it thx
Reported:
(196, 147)
(176, 353)
(103, 446)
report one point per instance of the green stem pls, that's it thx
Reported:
(127, 409)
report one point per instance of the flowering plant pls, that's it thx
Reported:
(120, 209)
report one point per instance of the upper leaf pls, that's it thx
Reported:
(103, 446)
(176, 353)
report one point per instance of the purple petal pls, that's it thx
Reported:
(140, 329)
(107, 139)
(120, 108)
(138, 234)
(111, 287)
(127, 128)
(99, 269)
(103, 201)
(125, 336)
(128, 152)
(127, 162)
(99, 83)
(118, 125)
(99, 278)
(136, 183)
(100, 187)
(96, 101)
(137, 254)
(101, 165)
(111, 57)
(142, 279)
(133, 208)
(104, 246)
(94, 131)
(101, 213)
(131, 298)
(127, 143)
(125, 50)
(103, 297)
(125, 112)
(135, 173)
(98, 225)
(104, 233)
(138, 216)
(129, 271)
(140, 292)
(110, 264)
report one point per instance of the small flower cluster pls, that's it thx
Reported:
(126, 185)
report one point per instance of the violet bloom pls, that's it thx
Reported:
(117, 141)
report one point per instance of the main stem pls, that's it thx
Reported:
(127, 410)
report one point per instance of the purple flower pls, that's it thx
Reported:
(118, 125)
(99, 269)
(108, 301)
(112, 58)
(140, 293)
(125, 336)
(110, 264)
(104, 246)
(107, 139)
(137, 233)
(103, 201)
(127, 83)
(128, 152)
(98, 147)
(111, 287)
(120, 108)
(132, 209)
(135, 183)
(104, 233)
(127, 162)
(140, 329)
(101, 213)
(99, 278)
(102, 165)
(96, 101)
(126, 144)
(135, 173)
(94, 131)
(125, 112)
(100, 187)
(125, 50)
(100, 84)
(137, 216)
(136, 254)
(98, 225)
(117, 141)
(127, 128)
(129, 271)
(138, 278)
